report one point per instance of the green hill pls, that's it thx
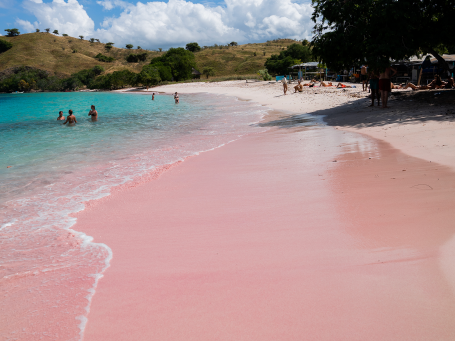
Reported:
(63, 56)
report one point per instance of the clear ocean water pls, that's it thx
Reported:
(49, 272)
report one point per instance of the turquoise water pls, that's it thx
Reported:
(48, 272)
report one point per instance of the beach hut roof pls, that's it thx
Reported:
(447, 57)
(309, 64)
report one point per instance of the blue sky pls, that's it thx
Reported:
(163, 24)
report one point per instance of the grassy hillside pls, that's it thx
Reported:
(55, 54)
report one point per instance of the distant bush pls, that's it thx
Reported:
(12, 32)
(47, 30)
(64, 35)
(55, 32)
(135, 58)
(5, 45)
(37, 30)
(27, 78)
(193, 47)
(103, 58)
(265, 75)
(129, 46)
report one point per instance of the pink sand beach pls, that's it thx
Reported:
(299, 233)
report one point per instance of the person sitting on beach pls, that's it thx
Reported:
(339, 85)
(298, 87)
(449, 84)
(70, 119)
(93, 113)
(60, 116)
(176, 98)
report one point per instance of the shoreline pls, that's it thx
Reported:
(186, 182)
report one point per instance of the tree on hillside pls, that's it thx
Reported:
(5, 45)
(37, 30)
(64, 35)
(92, 40)
(55, 32)
(377, 31)
(47, 30)
(139, 48)
(295, 53)
(160, 49)
(149, 76)
(129, 46)
(108, 47)
(233, 43)
(193, 47)
(82, 37)
(180, 61)
(97, 40)
(208, 71)
(12, 32)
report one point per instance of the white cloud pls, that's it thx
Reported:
(177, 22)
(67, 17)
(27, 25)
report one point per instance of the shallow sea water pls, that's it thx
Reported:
(48, 272)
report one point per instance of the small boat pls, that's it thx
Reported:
(18, 92)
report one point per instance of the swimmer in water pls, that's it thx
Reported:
(93, 113)
(71, 119)
(176, 97)
(60, 116)
(153, 96)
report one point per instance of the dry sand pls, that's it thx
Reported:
(300, 233)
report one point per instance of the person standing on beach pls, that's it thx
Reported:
(285, 84)
(364, 77)
(176, 97)
(60, 116)
(374, 87)
(93, 113)
(70, 119)
(384, 84)
(153, 96)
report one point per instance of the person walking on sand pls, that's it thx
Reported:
(60, 116)
(374, 87)
(70, 119)
(176, 98)
(285, 84)
(384, 84)
(93, 113)
(364, 77)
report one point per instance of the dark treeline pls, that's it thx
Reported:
(176, 64)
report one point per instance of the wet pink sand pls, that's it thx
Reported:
(268, 239)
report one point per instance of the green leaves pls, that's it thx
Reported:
(5, 45)
(295, 53)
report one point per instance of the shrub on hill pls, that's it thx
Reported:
(115, 80)
(5, 45)
(12, 32)
(148, 76)
(81, 78)
(180, 61)
(103, 58)
(193, 47)
(136, 58)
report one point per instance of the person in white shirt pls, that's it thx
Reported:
(285, 84)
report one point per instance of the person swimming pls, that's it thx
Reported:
(70, 119)
(60, 116)
(93, 113)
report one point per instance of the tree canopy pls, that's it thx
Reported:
(129, 46)
(12, 32)
(55, 32)
(354, 32)
(193, 47)
(295, 53)
(180, 61)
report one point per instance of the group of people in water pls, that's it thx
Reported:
(71, 119)
(380, 84)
